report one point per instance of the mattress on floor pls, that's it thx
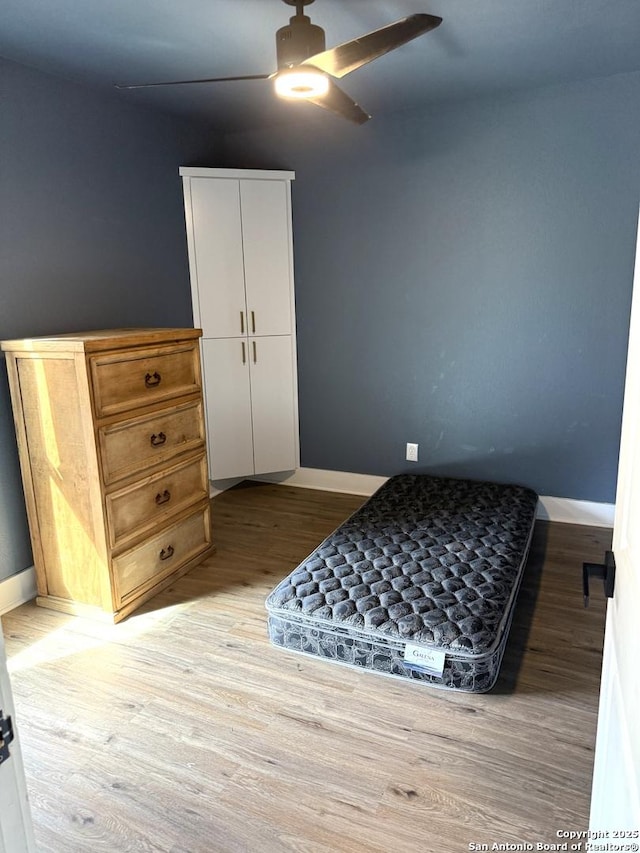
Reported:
(419, 583)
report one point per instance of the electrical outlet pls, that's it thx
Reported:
(412, 452)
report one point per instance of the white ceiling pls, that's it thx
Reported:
(482, 47)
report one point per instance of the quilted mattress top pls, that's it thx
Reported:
(427, 560)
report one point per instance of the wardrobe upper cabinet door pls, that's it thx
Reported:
(266, 234)
(218, 261)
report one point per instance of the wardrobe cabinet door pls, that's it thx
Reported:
(273, 404)
(266, 240)
(225, 367)
(219, 264)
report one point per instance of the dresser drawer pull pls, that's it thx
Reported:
(166, 553)
(157, 440)
(152, 379)
(163, 497)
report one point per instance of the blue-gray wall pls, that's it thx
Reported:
(463, 273)
(463, 280)
(91, 232)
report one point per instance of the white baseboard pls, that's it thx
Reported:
(571, 511)
(564, 510)
(17, 589)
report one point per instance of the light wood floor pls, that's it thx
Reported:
(181, 729)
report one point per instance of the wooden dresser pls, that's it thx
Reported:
(111, 437)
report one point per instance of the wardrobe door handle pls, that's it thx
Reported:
(244, 353)
(253, 322)
(152, 379)
(255, 353)
(242, 322)
(166, 553)
(163, 497)
(158, 440)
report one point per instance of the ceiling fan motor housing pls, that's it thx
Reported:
(299, 40)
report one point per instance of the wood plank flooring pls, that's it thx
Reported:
(182, 730)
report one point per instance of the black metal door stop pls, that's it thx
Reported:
(606, 571)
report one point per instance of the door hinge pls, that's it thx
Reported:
(604, 571)
(6, 736)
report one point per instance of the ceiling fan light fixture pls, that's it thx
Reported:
(307, 70)
(301, 83)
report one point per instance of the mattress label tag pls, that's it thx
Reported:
(429, 660)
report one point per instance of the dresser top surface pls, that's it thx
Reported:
(100, 339)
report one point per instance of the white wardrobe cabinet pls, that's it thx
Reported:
(241, 265)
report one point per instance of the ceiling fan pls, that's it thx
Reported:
(306, 69)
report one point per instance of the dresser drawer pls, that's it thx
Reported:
(152, 501)
(132, 446)
(162, 554)
(143, 377)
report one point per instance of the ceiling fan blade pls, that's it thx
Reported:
(346, 57)
(183, 82)
(339, 102)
